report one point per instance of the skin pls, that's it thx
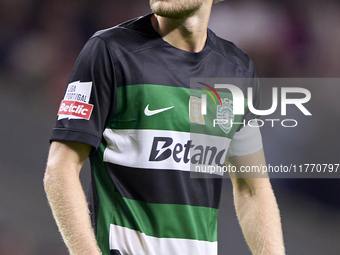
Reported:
(176, 9)
(67, 198)
(256, 208)
(183, 24)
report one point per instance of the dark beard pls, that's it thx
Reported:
(175, 13)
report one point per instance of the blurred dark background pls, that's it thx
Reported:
(39, 42)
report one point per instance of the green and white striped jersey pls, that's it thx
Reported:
(129, 97)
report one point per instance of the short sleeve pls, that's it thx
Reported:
(248, 138)
(245, 142)
(256, 100)
(87, 101)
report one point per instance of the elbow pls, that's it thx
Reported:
(58, 174)
(250, 187)
(51, 176)
(241, 187)
(47, 180)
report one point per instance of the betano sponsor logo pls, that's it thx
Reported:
(164, 148)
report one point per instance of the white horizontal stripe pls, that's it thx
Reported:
(133, 147)
(131, 242)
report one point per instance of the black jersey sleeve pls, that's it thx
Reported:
(87, 101)
(255, 85)
(248, 138)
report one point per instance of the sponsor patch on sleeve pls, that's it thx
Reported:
(75, 104)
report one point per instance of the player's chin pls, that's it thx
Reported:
(168, 11)
(158, 4)
(160, 7)
(158, 1)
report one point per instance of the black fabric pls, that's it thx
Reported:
(133, 53)
(173, 187)
(93, 65)
(115, 252)
(93, 203)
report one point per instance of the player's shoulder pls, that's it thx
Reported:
(129, 36)
(231, 52)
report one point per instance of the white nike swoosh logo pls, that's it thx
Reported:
(153, 112)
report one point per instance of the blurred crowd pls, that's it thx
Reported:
(41, 39)
(285, 38)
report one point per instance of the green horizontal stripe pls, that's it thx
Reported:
(166, 220)
(132, 100)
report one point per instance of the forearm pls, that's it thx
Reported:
(260, 221)
(70, 210)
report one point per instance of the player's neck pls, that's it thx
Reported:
(189, 34)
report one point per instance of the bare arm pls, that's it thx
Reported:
(67, 198)
(257, 209)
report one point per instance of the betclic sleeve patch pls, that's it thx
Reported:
(75, 104)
